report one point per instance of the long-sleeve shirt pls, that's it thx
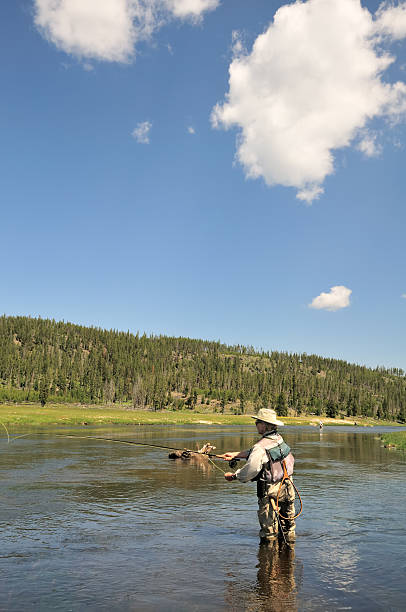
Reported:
(257, 457)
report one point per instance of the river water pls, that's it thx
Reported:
(95, 525)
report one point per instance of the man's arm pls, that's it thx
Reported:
(234, 455)
(251, 469)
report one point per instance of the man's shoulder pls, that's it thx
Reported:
(269, 442)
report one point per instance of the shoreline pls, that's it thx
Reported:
(34, 415)
(394, 440)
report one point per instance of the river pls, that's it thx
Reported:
(95, 525)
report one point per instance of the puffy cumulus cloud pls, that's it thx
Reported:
(109, 29)
(403, 295)
(337, 298)
(310, 85)
(141, 132)
(191, 129)
(101, 29)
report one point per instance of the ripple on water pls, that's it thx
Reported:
(88, 525)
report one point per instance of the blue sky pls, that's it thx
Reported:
(218, 222)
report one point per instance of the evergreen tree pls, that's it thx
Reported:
(331, 409)
(241, 398)
(281, 406)
(222, 403)
(43, 392)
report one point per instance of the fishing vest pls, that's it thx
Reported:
(277, 451)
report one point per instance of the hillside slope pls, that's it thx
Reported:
(45, 360)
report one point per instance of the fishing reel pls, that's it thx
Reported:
(233, 463)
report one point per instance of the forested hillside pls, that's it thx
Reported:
(44, 360)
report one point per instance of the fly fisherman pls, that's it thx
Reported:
(264, 464)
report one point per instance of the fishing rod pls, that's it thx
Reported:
(185, 452)
(135, 443)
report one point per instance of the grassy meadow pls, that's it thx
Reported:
(34, 415)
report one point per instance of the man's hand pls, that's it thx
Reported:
(228, 456)
(229, 476)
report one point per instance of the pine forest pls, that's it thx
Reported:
(42, 360)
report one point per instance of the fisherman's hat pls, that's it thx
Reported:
(268, 416)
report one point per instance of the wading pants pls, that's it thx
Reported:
(267, 516)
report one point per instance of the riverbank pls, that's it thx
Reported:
(34, 415)
(395, 440)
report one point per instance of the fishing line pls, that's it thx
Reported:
(278, 516)
(215, 465)
(44, 433)
(121, 441)
(8, 436)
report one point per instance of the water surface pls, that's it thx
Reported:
(88, 524)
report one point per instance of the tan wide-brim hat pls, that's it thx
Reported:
(268, 416)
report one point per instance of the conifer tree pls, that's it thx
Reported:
(43, 392)
(281, 406)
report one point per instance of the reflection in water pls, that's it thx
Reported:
(200, 462)
(276, 584)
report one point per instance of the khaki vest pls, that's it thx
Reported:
(277, 450)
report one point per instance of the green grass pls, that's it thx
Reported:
(33, 415)
(397, 440)
(37, 416)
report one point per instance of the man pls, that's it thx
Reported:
(264, 464)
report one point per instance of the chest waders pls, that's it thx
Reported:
(279, 468)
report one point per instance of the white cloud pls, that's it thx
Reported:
(310, 193)
(110, 29)
(191, 129)
(391, 20)
(101, 29)
(191, 8)
(141, 132)
(237, 43)
(403, 295)
(339, 297)
(311, 83)
(368, 145)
